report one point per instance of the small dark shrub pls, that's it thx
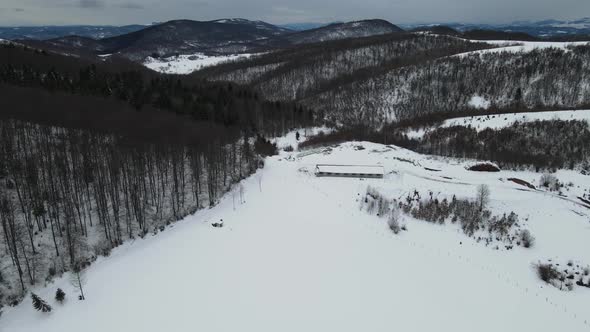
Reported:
(522, 182)
(549, 181)
(547, 273)
(289, 148)
(60, 295)
(264, 147)
(39, 304)
(484, 167)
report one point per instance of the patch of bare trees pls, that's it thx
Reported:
(67, 195)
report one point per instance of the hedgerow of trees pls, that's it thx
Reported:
(540, 145)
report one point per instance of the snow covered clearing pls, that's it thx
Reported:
(521, 46)
(290, 140)
(186, 64)
(479, 102)
(498, 121)
(299, 255)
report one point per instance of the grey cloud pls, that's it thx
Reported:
(130, 5)
(91, 4)
(287, 11)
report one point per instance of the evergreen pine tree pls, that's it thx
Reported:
(60, 295)
(39, 304)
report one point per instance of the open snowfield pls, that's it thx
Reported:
(299, 255)
(186, 64)
(513, 46)
(499, 121)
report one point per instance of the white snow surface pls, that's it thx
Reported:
(186, 64)
(521, 46)
(479, 102)
(299, 255)
(498, 121)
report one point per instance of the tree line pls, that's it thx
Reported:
(222, 103)
(541, 145)
(92, 156)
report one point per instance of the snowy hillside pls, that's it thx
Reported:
(498, 121)
(186, 64)
(523, 46)
(296, 253)
(550, 76)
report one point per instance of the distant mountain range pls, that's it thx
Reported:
(226, 36)
(545, 28)
(305, 26)
(240, 36)
(51, 32)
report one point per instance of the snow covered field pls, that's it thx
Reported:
(186, 64)
(299, 255)
(499, 121)
(522, 46)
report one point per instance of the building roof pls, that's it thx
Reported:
(350, 169)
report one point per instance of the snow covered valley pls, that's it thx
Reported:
(296, 253)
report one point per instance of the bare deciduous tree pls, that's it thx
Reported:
(77, 280)
(482, 196)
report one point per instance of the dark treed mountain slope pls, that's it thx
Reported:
(273, 29)
(498, 35)
(305, 26)
(541, 79)
(85, 47)
(301, 72)
(478, 34)
(397, 77)
(338, 31)
(139, 87)
(184, 36)
(52, 32)
(16, 55)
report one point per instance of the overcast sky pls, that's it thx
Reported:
(119, 12)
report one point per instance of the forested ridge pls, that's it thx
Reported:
(541, 78)
(398, 77)
(299, 73)
(96, 153)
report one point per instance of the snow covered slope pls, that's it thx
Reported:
(522, 46)
(298, 255)
(499, 121)
(186, 64)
